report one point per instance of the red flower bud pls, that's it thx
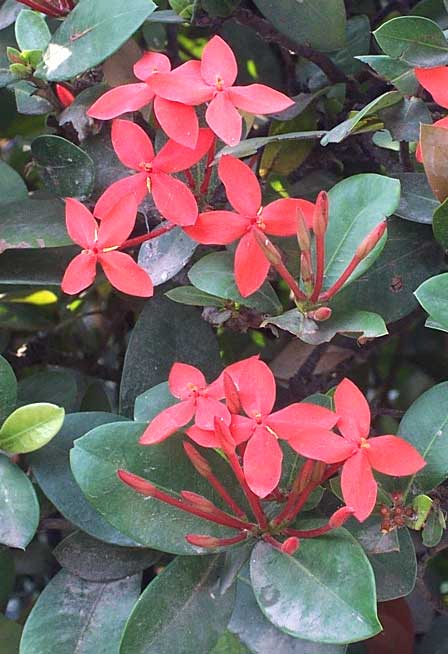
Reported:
(321, 314)
(303, 233)
(340, 516)
(306, 272)
(65, 96)
(231, 393)
(199, 501)
(291, 545)
(202, 541)
(200, 464)
(371, 241)
(321, 212)
(268, 248)
(137, 483)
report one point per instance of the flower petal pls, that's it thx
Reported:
(117, 101)
(353, 410)
(392, 455)
(81, 225)
(259, 99)
(150, 63)
(131, 144)
(173, 199)
(262, 462)
(241, 184)
(242, 428)
(256, 387)
(435, 81)
(224, 119)
(132, 185)
(359, 487)
(299, 416)
(80, 273)
(118, 223)
(126, 275)
(178, 121)
(251, 266)
(218, 62)
(168, 422)
(443, 122)
(184, 84)
(207, 409)
(181, 379)
(280, 217)
(217, 227)
(321, 445)
(174, 157)
(203, 437)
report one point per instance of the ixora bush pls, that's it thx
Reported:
(223, 417)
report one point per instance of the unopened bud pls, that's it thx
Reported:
(340, 517)
(225, 437)
(303, 233)
(231, 392)
(291, 545)
(202, 541)
(198, 501)
(305, 474)
(321, 314)
(370, 241)
(137, 483)
(305, 269)
(65, 96)
(318, 470)
(199, 462)
(321, 212)
(268, 248)
(14, 56)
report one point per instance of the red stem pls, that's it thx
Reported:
(311, 487)
(209, 170)
(272, 541)
(190, 180)
(132, 242)
(219, 488)
(253, 500)
(339, 283)
(320, 265)
(44, 7)
(311, 533)
(290, 281)
(295, 491)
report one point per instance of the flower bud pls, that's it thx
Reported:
(303, 233)
(370, 241)
(321, 212)
(65, 96)
(14, 56)
(305, 269)
(321, 314)
(198, 501)
(202, 541)
(223, 433)
(340, 516)
(137, 483)
(268, 248)
(200, 464)
(231, 393)
(291, 545)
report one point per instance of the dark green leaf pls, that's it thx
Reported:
(433, 296)
(434, 527)
(59, 385)
(299, 593)
(28, 101)
(162, 336)
(403, 119)
(30, 427)
(194, 297)
(93, 560)
(416, 40)
(32, 32)
(417, 201)
(151, 402)
(395, 572)
(33, 224)
(440, 224)
(51, 468)
(90, 34)
(229, 644)
(9, 11)
(19, 508)
(74, 615)
(12, 186)
(186, 597)
(8, 389)
(251, 146)
(10, 634)
(35, 267)
(7, 577)
(398, 73)
(66, 170)
(369, 533)
(166, 255)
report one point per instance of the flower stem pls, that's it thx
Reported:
(302, 479)
(311, 533)
(339, 283)
(132, 242)
(320, 264)
(209, 169)
(190, 180)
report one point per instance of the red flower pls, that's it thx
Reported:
(55, 8)
(211, 80)
(278, 218)
(172, 197)
(178, 121)
(435, 81)
(197, 399)
(65, 96)
(389, 455)
(100, 245)
(262, 461)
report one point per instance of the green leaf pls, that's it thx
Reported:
(95, 460)
(229, 644)
(33, 224)
(369, 533)
(440, 224)
(357, 205)
(75, 615)
(324, 593)
(194, 297)
(30, 427)
(151, 402)
(28, 101)
(59, 384)
(66, 170)
(90, 559)
(403, 119)
(164, 256)
(9, 12)
(344, 129)
(220, 8)
(425, 426)
(32, 32)
(422, 506)
(51, 469)
(434, 527)
(417, 201)
(10, 634)
(90, 34)
(12, 186)
(35, 267)
(318, 23)
(251, 146)
(398, 73)
(19, 508)
(162, 336)
(8, 389)
(214, 274)
(433, 296)
(7, 576)
(186, 597)
(416, 40)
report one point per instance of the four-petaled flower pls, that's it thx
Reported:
(435, 81)
(172, 197)
(100, 245)
(212, 80)
(279, 218)
(387, 454)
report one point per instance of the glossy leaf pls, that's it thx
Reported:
(252, 145)
(417, 201)
(440, 224)
(395, 572)
(434, 144)
(19, 508)
(404, 119)
(194, 297)
(8, 389)
(153, 401)
(433, 296)
(185, 597)
(398, 73)
(51, 468)
(66, 170)
(434, 528)
(12, 186)
(33, 224)
(214, 274)
(369, 533)
(299, 593)
(32, 32)
(166, 255)
(416, 40)
(29, 102)
(163, 335)
(95, 461)
(319, 23)
(90, 34)
(59, 385)
(89, 617)
(30, 427)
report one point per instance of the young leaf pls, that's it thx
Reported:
(30, 427)
(19, 508)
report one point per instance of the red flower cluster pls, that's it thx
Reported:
(435, 81)
(244, 427)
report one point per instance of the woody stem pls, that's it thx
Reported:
(339, 283)
(209, 170)
(320, 265)
(132, 242)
